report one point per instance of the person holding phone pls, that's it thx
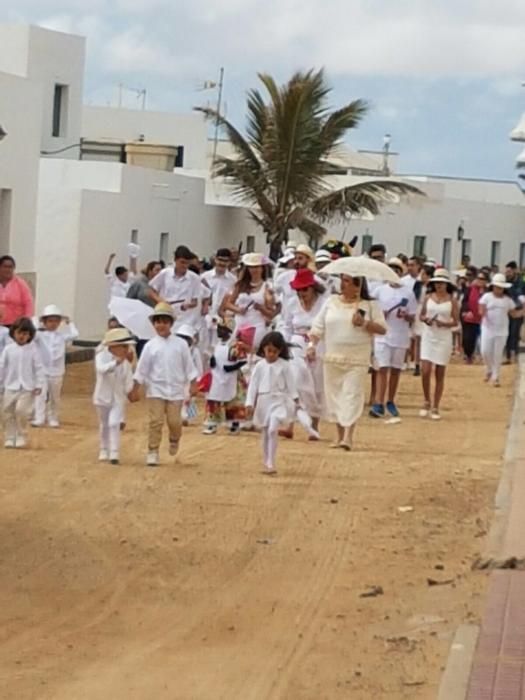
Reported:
(346, 325)
(399, 305)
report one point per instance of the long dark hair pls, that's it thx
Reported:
(277, 340)
(364, 294)
(431, 287)
(244, 281)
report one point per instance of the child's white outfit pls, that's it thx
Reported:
(272, 394)
(52, 345)
(189, 407)
(113, 384)
(21, 374)
(165, 368)
(494, 331)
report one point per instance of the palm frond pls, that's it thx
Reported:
(362, 198)
(339, 122)
(237, 140)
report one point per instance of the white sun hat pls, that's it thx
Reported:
(288, 256)
(499, 280)
(442, 275)
(323, 255)
(186, 330)
(51, 310)
(254, 260)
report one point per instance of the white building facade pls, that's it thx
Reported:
(62, 213)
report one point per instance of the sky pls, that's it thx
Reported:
(444, 77)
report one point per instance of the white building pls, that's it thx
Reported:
(61, 214)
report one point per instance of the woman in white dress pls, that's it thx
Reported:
(297, 318)
(346, 324)
(252, 299)
(440, 315)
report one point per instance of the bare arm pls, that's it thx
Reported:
(107, 269)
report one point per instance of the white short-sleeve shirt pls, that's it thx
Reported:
(496, 319)
(398, 329)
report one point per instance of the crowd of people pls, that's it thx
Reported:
(269, 346)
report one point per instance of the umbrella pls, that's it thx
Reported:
(361, 266)
(133, 315)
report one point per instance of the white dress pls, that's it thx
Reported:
(436, 343)
(223, 384)
(272, 393)
(253, 317)
(347, 357)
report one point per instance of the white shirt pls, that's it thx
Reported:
(178, 290)
(118, 288)
(195, 316)
(271, 378)
(220, 286)
(114, 380)
(52, 345)
(495, 322)
(398, 329)
(166, 367)
(21, 368)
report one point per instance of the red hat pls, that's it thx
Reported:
(303, 278)
(246, 334)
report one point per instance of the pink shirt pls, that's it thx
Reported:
(15, 301)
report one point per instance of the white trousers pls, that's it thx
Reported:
(49, 401)
(109, 418)
(492, 349)
(17, 406)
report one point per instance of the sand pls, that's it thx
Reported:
(205, 580)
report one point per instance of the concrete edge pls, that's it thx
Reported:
(496, 537)
(456, 677)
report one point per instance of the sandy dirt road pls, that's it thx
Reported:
(207, 581)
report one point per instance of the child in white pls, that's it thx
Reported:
(165, 368)
(191, 336)
(22, 376)
(495, 307)
(113, 385)
(55, 332)
(272, 395)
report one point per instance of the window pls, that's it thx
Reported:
(179, 158)
(5, 221)
(135, 235)
(250, 244)
(466, 248)
(163, 247)
(447, 253)
(419, 245)
(367, 242)
(60, 100)
(495, 252)
(522, 256)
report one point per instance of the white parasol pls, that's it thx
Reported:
(361, 266)
(133, 315)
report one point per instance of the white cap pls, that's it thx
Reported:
(51, 310)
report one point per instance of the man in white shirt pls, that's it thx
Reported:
(179, 286)
(220, 280)
(120, 281)
(399, 306)
(413, 272)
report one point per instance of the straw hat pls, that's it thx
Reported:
(118, 336)
(499, 280)
(396, 262)
(303, 279)
(304, 249)
(254, 260)
(162, 309)
(51, 310)
(442, 275)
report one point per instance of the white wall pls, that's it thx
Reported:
(20, 116)
(188, 130)
(14, 43)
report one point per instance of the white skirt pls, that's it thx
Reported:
(278, 406)
(436, 347)
(344, 387)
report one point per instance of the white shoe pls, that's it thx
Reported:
(10, 443)
(20, 443)
(153, 459)
(210, 430)
(54, 423)
(36, 424)
(435, 415)
(103, 456)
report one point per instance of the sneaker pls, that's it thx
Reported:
(10, 443)
(209, 430)
(235, 428)
(54, 424)
(174, 448)
(435, 414)
(103, 456)
(153, 459)
(377, 411)
(20, 443)
(392, 409)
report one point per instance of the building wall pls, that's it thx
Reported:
(189, 130)
(20, 116)
(14, 40)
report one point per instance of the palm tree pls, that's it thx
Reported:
(281, 167)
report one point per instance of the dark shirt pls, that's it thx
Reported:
(140, 290)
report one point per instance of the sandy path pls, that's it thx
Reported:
(207, 581)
